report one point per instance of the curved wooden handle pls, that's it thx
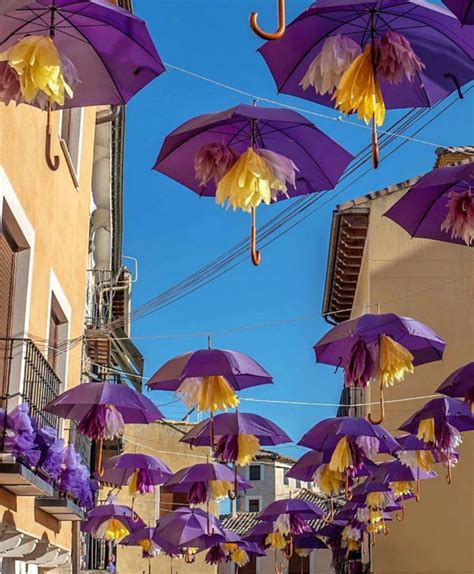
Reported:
(100, 468)
(347, 489)
(375, 145)
(53, 161)
(281, 24)
(289, 549)
(382, 410)
(254, 253)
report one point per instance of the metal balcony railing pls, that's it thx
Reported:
(97, 554)
(40, 384)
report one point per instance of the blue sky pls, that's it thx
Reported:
(173, 233)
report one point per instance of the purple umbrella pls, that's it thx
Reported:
(187, 529)
(463, 10)
(205, 482)
(203, 151)
(306, 466)
(439, 206)
(460, 384)
(416, 52)
(383, 346)
(112, 522)
(234, 549)
(144, 470)
(439, 423)
(104, 52)
(102, 409)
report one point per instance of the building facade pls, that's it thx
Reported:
(374, 266)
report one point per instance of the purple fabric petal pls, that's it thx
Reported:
(297, 525)
(396, 58)
(92, 423)
(227, 449)
(74, 478)
(53, 459)
(144, 482)
(197, 493)
(215, 555)
(448, 438)
(360, 364)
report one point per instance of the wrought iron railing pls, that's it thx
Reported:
(39, 383)
(97, 554)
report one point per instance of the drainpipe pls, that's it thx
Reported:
(107, 117)
(76, 548)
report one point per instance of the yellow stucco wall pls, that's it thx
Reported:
(59, 215)
(159, 440)
(437, 535)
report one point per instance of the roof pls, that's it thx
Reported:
(349, 228)
(242, 522)
(274, 456)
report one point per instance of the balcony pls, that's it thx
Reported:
(25, 373)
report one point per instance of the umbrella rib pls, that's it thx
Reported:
(15, 32)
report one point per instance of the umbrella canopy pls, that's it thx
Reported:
(445, 49)
(305, 467)
(439, 206)
(319, 159)
(110, 48)
(291, 506)
(325, 435)
(225, 424)
(460, 384)
(9, 5)
(395, 471)
(422, 342)
(442, 410)
(134, 407)
(147, 539)
(308, 542)
(206, 481)
(188, 528)
(239, 370)
(462, 9)
(149, 470)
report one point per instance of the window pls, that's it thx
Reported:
(250, 567)
(298, 484)
(170, 501)
(255, 472)
(253, 505)
(286, 480)
(299, 565)
(71, 136)
(57, 334)
(7, 275)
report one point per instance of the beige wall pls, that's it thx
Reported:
(58, 213)
(159, 440)
(437, 536)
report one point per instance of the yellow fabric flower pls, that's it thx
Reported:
(248, 446)
(146, 545)
(402, 487)
(218, 489)
(239, 557)
(341, 458)
(330, 482)
(394, 361)
(248, 182)
(215, 393)
(114, 530)
(276, 540)
(36, 62)
(375, 500)
(426, 431)
(132, 487)
(359, 90)
(425, 460)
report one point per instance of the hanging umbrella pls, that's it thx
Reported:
(462, 9)
(368, 55)
(289, 517)
(236, 437)
(150, 544)
(351, 441)
(102, 409)
(142, 472)
(205, 482)
(460, 384)
(233, 550)
(208, 378)
(439, 206)
(111, 522)
(59, 54)
(187, 529)
(247, 155)
(306, 466)
(378, 346)
(440, 423)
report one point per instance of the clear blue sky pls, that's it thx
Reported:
(173, 233)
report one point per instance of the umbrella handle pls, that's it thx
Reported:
(375, 145)
(135, 517)
(254, 253)
(347, 489)
(52, 160)
(401, 517)
(385, 529)
(213, 438)
(189, 558)
(100, 468)
(418, 487)
(330, 517)
(289, 549)
(210, 530)
(281, 24)
(448, 475)
(456, 83)
(382, 409)
(373, 536)
(233, 494)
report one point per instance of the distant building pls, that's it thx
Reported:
(373, 264)
(267, 473)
